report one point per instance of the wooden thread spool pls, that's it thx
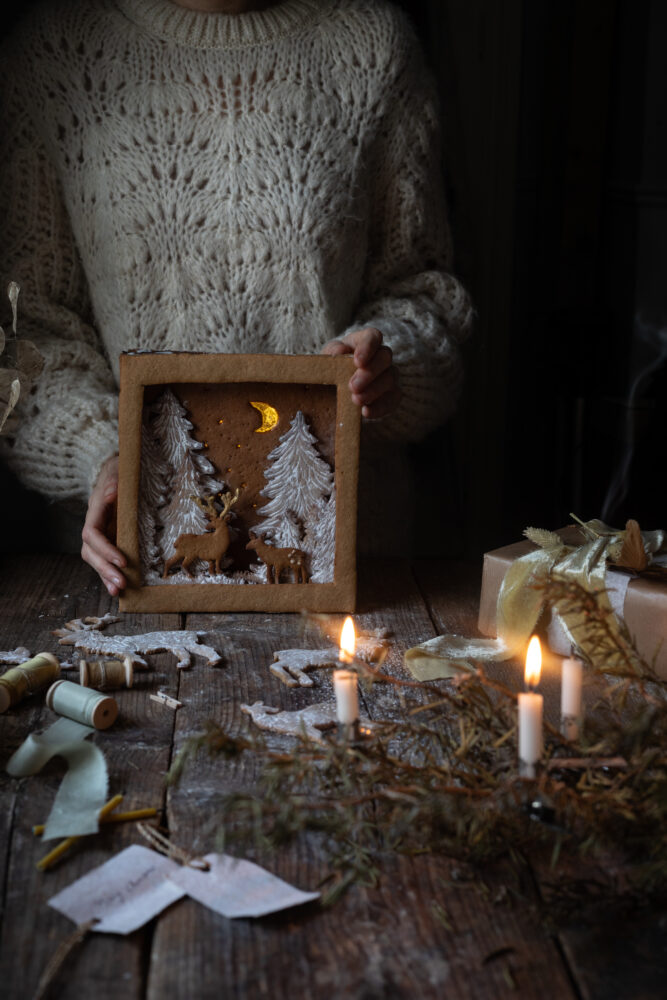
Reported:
(82, 704)
(27, 678)
(106, 675)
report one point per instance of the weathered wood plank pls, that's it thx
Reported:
(390, 941)
(386, 941)
(44, 592)
(616, 958)
(451, 592)
(32, 930)
(423, 928)
(49, 591)
(7, 807)
(28, 613)
(608, 956)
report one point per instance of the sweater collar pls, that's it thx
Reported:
(171, 23)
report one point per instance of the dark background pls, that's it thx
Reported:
(554, 115)
(555, 162)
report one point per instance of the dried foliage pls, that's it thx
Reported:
(444, 777)
(20, 365)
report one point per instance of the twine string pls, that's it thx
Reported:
(27, 674)
(106, 675)
(27, 678)
(163, 845)
(60, 956)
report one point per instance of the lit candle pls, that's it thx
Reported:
(345, 681)
(570, 697)
(348, 641)
(530, 713)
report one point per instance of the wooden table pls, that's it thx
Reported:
(425, 931)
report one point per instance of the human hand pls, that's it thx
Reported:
(374, 385)
(100, 526)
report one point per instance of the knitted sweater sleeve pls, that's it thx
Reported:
(410, 294)
(68, 423)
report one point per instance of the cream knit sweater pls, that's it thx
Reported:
(259, 182)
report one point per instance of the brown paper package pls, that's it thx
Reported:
(645, 610)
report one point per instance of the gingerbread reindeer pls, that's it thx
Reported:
(278, 560)
(212, 545)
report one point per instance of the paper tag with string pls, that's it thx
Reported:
(123, 894)
(136, 885)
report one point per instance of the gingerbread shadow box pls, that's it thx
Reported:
(238, 482)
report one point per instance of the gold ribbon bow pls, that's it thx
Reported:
(520, 602)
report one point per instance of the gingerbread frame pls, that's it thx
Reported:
(138, 372)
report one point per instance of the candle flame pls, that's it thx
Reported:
(533, 662)
(347, 641)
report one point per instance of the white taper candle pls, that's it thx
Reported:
(530, 730)
(570, 697)
(347, 696)
(530, 713)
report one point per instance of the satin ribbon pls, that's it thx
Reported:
(520, 602)
(84, 789)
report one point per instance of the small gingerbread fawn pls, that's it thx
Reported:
(212, 545)
(277, 560)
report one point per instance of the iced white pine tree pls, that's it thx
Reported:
(153, 475)
(172, 429)
(320, 540)
(288, 534)
(190, 473)
(182, 515)
(297, 477)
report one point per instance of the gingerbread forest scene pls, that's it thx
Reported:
(333, 530)
(240, 483)
(299, 515)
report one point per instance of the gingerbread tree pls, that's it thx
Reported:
(297, 478)
(291, 531)
(190, 473)
(320, 540)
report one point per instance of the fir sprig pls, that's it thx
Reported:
(443, 778)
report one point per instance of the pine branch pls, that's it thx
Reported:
(443, 778)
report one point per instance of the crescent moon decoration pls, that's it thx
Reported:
(269, 417)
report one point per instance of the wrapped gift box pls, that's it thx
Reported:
(644, 606)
